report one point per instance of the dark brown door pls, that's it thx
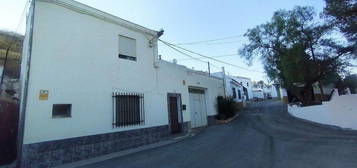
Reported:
(174, 118)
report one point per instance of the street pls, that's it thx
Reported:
(262, 136)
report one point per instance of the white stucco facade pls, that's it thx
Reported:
(75, 57)
(247, 83)
(258, 94)
(233, 88)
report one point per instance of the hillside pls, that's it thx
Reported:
(14, 57)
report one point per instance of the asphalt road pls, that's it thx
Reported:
(263, 136)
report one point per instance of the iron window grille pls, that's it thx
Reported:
(239, 95)
(234, 93)
(128, 109)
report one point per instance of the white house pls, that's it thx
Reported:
(258, 94)
(272, 90)
(92, 84)
(233, 88)
(247, 86)
(264, 91)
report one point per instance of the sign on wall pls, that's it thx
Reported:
(43, 95)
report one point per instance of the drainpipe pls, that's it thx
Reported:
(224, 82)
(25, 83)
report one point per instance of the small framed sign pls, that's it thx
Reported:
(43, 95)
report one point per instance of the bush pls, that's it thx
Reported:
(226, 107)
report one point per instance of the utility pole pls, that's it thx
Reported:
(224, 82)
(209, 68)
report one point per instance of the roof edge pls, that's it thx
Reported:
(206, 74)
(91, 11)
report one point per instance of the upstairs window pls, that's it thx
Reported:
(247, 84)
(127, 48)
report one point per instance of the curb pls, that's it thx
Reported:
(218, 122)
(333, 127)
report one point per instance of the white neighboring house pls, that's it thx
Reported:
(233, 88)
(247, 86)
(258, 93)
(272, 91)
(92, 84)
(265, 91)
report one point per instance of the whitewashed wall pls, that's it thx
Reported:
(258, 94)
(246, 82)
(340, 111)
(283, 92)
(75, 57)
(177, 79)
(274, 91)
(229, 85)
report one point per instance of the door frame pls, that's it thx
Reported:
(179, 110)
(204, 92)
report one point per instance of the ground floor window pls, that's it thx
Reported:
(234, 93)
(128, 109)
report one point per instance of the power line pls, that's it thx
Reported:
(217, 56)
(204, 41)
(22, 16)
(197, 59)
(218, 43)
(192, 57)
(19, 24)
(12, 41)
(208, 57)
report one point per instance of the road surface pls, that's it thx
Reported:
(262, 136)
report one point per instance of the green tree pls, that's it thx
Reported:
(296, 50)
(343, 14)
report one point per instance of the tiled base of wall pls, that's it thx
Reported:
(211, 120)
(185, 127)
(53, 153)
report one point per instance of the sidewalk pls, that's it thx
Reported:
(171, 140)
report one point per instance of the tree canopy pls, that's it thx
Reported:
(297, 51)
(343, 14)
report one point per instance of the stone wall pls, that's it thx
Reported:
(53, 153)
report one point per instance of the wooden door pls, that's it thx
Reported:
(198, 109)
(174, 117)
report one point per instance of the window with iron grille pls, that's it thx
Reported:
(128, 109)
(239, 94)
(234, 93)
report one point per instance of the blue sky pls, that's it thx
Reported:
(188, 21)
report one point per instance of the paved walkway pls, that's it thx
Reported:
(263, 136)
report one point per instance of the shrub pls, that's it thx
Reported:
(226, 107)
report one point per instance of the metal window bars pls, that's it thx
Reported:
(128, 109)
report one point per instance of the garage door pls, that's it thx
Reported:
(198, 108)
